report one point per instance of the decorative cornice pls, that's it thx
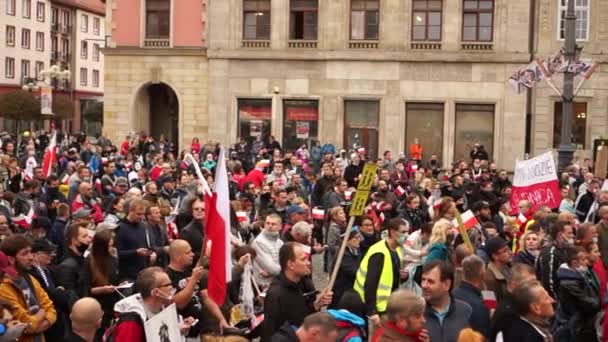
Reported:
(136, 51)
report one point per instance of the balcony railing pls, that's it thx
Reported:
(363, 44)
(260, 44)
(302, 44)
(65, 29)
(476, 46)
(157, 42)
(425, 46)
(54, 27)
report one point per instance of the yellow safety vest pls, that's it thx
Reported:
(385, 286)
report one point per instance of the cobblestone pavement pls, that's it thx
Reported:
(319, 277)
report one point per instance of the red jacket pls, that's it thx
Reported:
(96, 212)
(255, 176)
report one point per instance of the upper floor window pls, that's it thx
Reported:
(10, 7)
(26, 8)
(40, 41)
(256, 23)
(54, 44)
(65, 19)
(65, 46)
(38, 67)
(40, 9)
(158, 18)
(96, 25)
(9, 67)
(25, 38)
(10, 35)
(426, 20)
(303, 19)
(84, 49)
(84, 25)
(54, 16)
(364, 19)
(477, 20)
(25, 68)
(96, 52)
(83, 76)
(581, 8)
(95, 78)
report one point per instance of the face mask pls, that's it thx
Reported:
(272, 235)
(169, 298)
(595, 240)
(82, 247)
(581, 269)
(402, 238)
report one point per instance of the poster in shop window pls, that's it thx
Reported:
(256, 127)
(302, 129)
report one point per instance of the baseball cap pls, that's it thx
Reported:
(494, 244)
(6, 267)
(105, 226)
(293, 209)
(81, 213)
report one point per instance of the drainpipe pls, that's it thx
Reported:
(529, 94)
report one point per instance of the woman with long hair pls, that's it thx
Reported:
(337, 226)
(529, 248)
(440, 242)
(101, 274)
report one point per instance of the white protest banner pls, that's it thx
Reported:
(164, 326)
(46, 100)
(535, 180)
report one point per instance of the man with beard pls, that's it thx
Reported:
(26, 200)
(85, 200)
(502, 181)
(69, 271)
(445, 316)
(404, 320)
(335, 198)
(52, 197)
(168, 195)
(388, 197)
(353, 170)
(131, 242)
(154, 198)
(29, 303)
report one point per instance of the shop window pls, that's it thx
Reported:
(474, 124)
(424, 121)
(579, 124)
(254, 116)
(361, 120)
(300, 123)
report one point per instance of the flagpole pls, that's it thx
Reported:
(585, 78)
(199, 174)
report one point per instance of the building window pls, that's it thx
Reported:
(65, 48)
(303, 19)
(474, 124)
(158, 18)
(84, 25)
(38, 68)
(96, 26)
(10, 7)
(581, 8)
(40, 9)
(96, 52)
(25, 38)
(256, 14)
(84, 49)
(26, 8)
(424, 122)
(54, 45)
(477, 20)
(9, 67)
(361, 120)
(364, 19)
(300, 123)
(83, 76)
(96, 78)
(579, 124)
(25, 69)
(254, 117)
(65, 20)
(426, 20)
(39, 41)
(54, 16)
(10, 35)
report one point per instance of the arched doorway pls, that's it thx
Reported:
(156, 111)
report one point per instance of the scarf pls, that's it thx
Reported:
(392, 326)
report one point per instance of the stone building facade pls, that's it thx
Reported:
(379, 84)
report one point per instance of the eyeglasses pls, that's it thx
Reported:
(165, 285)
(198, 209)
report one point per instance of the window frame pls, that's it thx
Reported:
(26, 33)
(365, 24)
(477, 12)
(562, 8)
(95, 53)
(304, 10)
(54, 16)
(84, 49)
(84, 23)
(95, 78)
(26, 9)
(146, 18)
(426, 12)
(39, 42)
(40, 11)
(12, 29)
(480, 107)
(579, 107)
(257, 24)
(25, 66)
(365, 128)
(11, 7)
(9, 61)
(38, 67)
(96, 26)
(83, 77)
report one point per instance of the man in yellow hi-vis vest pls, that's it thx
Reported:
(380, 271)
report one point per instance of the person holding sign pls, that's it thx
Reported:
(380, 271)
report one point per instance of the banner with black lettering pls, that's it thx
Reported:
(535, 180)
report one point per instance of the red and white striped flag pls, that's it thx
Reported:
(217, 229)
(399, 191)
(521, 219)
(50, 156)
(468, 220)
(241, 216)
(318, 214)
(24, 221)
(348, 195)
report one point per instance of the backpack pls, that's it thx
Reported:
(347, 330)
(108, 335)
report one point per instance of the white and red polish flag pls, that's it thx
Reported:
(535, 180)
(217, 229)
(521, 219)
(468, 220)
(24, 221)
(318, 214)
(399, 191)
(50, 155)
(241, 216)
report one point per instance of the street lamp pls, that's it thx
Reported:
(30, 84)
(54, 74)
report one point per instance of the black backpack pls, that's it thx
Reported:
(108, 335)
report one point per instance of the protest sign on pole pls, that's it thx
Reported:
(535, 180)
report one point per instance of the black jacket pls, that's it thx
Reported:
(193, 233)
(346, 275)
(503, 316)
(480, 318)
(287, 333)
(456, 319)
(323, 185)
(69, 273)
(287, 302)
(525, 257)
(519, 330)
(351, 172)
(549, 260)
(129, 237)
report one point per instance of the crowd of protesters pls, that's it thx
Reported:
(116, 233)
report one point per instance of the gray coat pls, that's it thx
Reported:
(456, 319)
